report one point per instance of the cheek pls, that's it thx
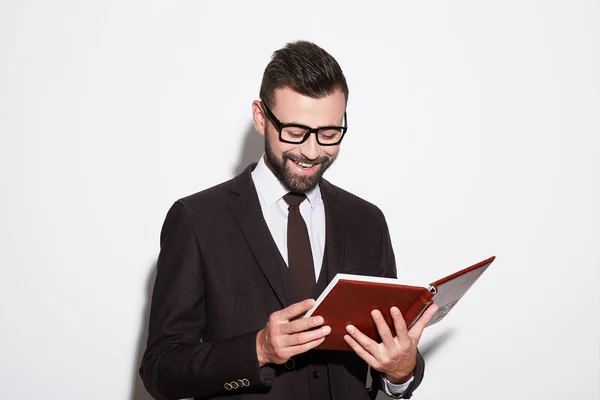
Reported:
(276, 146)
(286, 148)
(332, 153)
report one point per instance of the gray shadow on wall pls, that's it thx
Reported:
(138, 391)
(251, 150)
(430, 347)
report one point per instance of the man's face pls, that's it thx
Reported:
(300, 166)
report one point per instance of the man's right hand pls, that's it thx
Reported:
(284, 336)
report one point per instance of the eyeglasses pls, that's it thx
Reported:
(296, 133)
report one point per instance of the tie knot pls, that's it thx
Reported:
(294, 199)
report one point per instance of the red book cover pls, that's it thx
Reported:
(349, 299)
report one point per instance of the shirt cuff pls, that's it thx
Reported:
(395, 390)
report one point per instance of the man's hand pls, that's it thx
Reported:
(396, 356)
(284, 336)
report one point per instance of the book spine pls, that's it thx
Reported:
(418, 308)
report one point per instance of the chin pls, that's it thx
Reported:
(301, 183)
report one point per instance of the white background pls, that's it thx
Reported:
(473, 125)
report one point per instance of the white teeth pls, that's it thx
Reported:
(303, 165)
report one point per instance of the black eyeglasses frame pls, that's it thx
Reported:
(281, 125)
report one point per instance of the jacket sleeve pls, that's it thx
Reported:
(177, 362)
(388, 269)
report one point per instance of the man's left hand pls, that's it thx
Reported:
(396, 356)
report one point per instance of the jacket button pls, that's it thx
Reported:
(290, 364)
(316, 374)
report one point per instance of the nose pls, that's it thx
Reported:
(310, 149)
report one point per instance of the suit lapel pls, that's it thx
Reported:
(246, 210)
(335, 232)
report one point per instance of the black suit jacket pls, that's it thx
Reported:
(220, 276)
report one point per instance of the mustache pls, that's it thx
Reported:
(302, 159)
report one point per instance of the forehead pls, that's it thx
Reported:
(293, 107)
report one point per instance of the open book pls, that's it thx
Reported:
(349, 299)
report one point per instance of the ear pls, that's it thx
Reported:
(259, 117)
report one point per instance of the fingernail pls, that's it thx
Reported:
(395, 310)
(350, 329)
(375, 313)
(319, 320)
(326, 330)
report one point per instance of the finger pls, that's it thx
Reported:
(399, 323)
(303, 348)
(301, 338)
(416, 330)
(361, 352)
(301, 325)
(365, 342)
(294, 310)
(382, 327)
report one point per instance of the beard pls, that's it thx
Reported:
(292, 182)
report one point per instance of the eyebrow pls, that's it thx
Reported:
(308, 126)
(304, 125)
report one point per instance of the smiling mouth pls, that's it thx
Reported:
(304, 165)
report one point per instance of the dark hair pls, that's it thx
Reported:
(305, 68)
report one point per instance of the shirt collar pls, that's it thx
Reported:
(272, 190)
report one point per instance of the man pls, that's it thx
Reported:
(241, 262)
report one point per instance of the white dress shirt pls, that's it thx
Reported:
(275, 212)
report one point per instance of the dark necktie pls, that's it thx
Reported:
(300, 259)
